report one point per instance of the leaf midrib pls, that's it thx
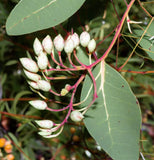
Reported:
(34, 12)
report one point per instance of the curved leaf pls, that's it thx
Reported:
(114, 119)
(18, 96)
(11, 62)
(33, 15)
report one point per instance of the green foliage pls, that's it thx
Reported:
(34, 15)
(114, 118)
(147, 42)
(3, 14)
(113, 91)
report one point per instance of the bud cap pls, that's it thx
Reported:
(91, 45)
(38, 104)
(76, 116)
(37, 46)
(47, 44)
(42, 61)
(69, 45)
(33, 84)
(63, 92)
(68, 87)
(75, 39)
(45, 123)
(59, 43)
(84, 38)
(44, 85)
(29, 64)
(32, 76)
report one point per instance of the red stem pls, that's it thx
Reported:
(68, 69)
(70, 106)
(20, 115)
(60, 59)
(20, 99)
(69, 58)
(57, 94)
(119, 27)
(83, 65)
(54, 59)
(72, 97)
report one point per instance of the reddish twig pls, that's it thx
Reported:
(19, 115)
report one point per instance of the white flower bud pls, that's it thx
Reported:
(76, 116)
(32, 76)
(69, 45)
(45, 123)
(88, 153)
(38, 104)
(59, 43)
(63, 92)
(29, 64)
(37, 46)
(44, 85)
(98, 147)
(84, 38)
(46, 132)
(47, 44)
(68, 87)
(91, 45)
(75, 39)
(33, 85)
(42, 61)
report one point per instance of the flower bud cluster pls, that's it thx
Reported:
(65, 90)
(34, 79)
(33, 69)
(47, 128)
(71, 43)
(47, 47)
(86, 42)
(47, 124)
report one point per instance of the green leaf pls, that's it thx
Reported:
(14, 138)
(28, 153)
(16, 99)
(33, 15)
(83, 56)
(4, 78)
(147, 43)
(114, 119)
(11, 62)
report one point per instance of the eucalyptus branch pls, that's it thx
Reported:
(70, 47)
(119, 27)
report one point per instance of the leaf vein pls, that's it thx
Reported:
(102, 70)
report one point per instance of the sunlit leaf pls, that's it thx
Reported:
(33, 15)
(114, 119)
